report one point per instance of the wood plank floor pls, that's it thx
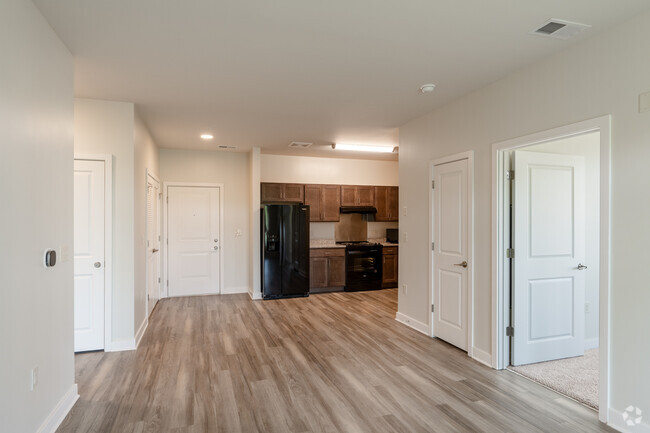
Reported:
(336, 362)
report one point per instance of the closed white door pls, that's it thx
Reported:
(153, 243)
(450, 254)
(194, 246)
(549, 247)
(88, 255)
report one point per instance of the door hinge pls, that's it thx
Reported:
(158, 280)
(510, 253)
(510, 174)
(167, 283)
(167, 199)
(433, 184)
(433, 308)
(433, 246)
(510, 331)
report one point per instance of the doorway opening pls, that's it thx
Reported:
(552, 287)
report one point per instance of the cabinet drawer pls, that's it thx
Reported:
(389, 250)
(327, 252)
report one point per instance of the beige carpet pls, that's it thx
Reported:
(574, 377)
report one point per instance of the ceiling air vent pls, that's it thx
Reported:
(559, 29)
(300, 144)
(223, 146)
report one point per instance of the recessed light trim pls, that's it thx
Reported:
(389, 148)
(207, 136)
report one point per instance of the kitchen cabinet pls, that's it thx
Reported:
(326, 269)
(324, 202)
(357, 195)
(387, 203)
(282, 193)
(389, 267)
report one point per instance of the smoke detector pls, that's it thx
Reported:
(559, 29)
(299, 144)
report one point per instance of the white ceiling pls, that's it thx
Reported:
(265, 73)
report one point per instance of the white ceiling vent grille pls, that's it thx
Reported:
(300, 144)
(559, 29)
(224, 146)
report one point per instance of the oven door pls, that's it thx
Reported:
(363, 269)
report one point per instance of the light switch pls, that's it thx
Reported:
(404, 211)
(644, 102)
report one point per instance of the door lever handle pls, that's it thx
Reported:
(155, 250)
(463, 264)
(581, 267)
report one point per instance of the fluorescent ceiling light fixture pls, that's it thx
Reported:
(207, 136)
(364, 147)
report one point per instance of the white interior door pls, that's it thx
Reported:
(153, 243)
(193, 233)
(450, 255)
(549, 243)
(88, 255)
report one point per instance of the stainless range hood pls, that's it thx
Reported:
(359, 209)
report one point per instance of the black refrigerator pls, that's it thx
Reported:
(285, 251)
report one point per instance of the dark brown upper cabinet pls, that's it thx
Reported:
(355, 195)
(282, 193)
(387, 203)
(324, 202)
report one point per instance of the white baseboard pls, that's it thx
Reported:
(482, 356)
(233, 290)
(412, 323)
(591, 343)
(122, 345)
(56, 417)
(616, 421)
(141, 330)
(255, 295)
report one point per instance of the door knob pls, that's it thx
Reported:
(581, 267)
(216, 240)
(215, 248)
(98, 265)
(463, 264)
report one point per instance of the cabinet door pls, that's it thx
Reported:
(330, 204)
(389, 277)
(393, 203)
(318, 272)
(271, 192)
(348, 195)
(381, 203)
(336, 273)
(313, 200)
(294, 192)
(365, 195)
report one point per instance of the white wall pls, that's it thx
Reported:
(231, 169)
(36, 166)
(601, 75)
(145, 158)
(304, 169)
(255, 266)
(106, 127)
(587, 145)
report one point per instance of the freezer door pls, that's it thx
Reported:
(272, 251)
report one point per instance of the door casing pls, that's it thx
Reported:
(164, 246)
(107, 159)
(469, 156)
(158, 204)
(501, 234)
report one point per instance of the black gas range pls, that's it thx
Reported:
(363, 269)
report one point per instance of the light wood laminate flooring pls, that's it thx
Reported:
(336, 362)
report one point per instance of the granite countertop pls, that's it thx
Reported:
(330, 243)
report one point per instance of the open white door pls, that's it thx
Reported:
(153, 243)
(193, 234)
(451, 252)
(549, 248)
(88, 255)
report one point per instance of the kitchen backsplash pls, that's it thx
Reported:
(376, 230)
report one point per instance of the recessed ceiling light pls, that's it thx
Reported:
(207, 136)
(427, 88)
(365, 147)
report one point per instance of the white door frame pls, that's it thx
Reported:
(146, 232)
(108, 241)
(165, 245)
(500, 234)
(469, 156)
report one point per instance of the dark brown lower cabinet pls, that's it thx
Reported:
(389, 267)
(326, 269)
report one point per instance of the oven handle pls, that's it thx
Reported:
(354, 253)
